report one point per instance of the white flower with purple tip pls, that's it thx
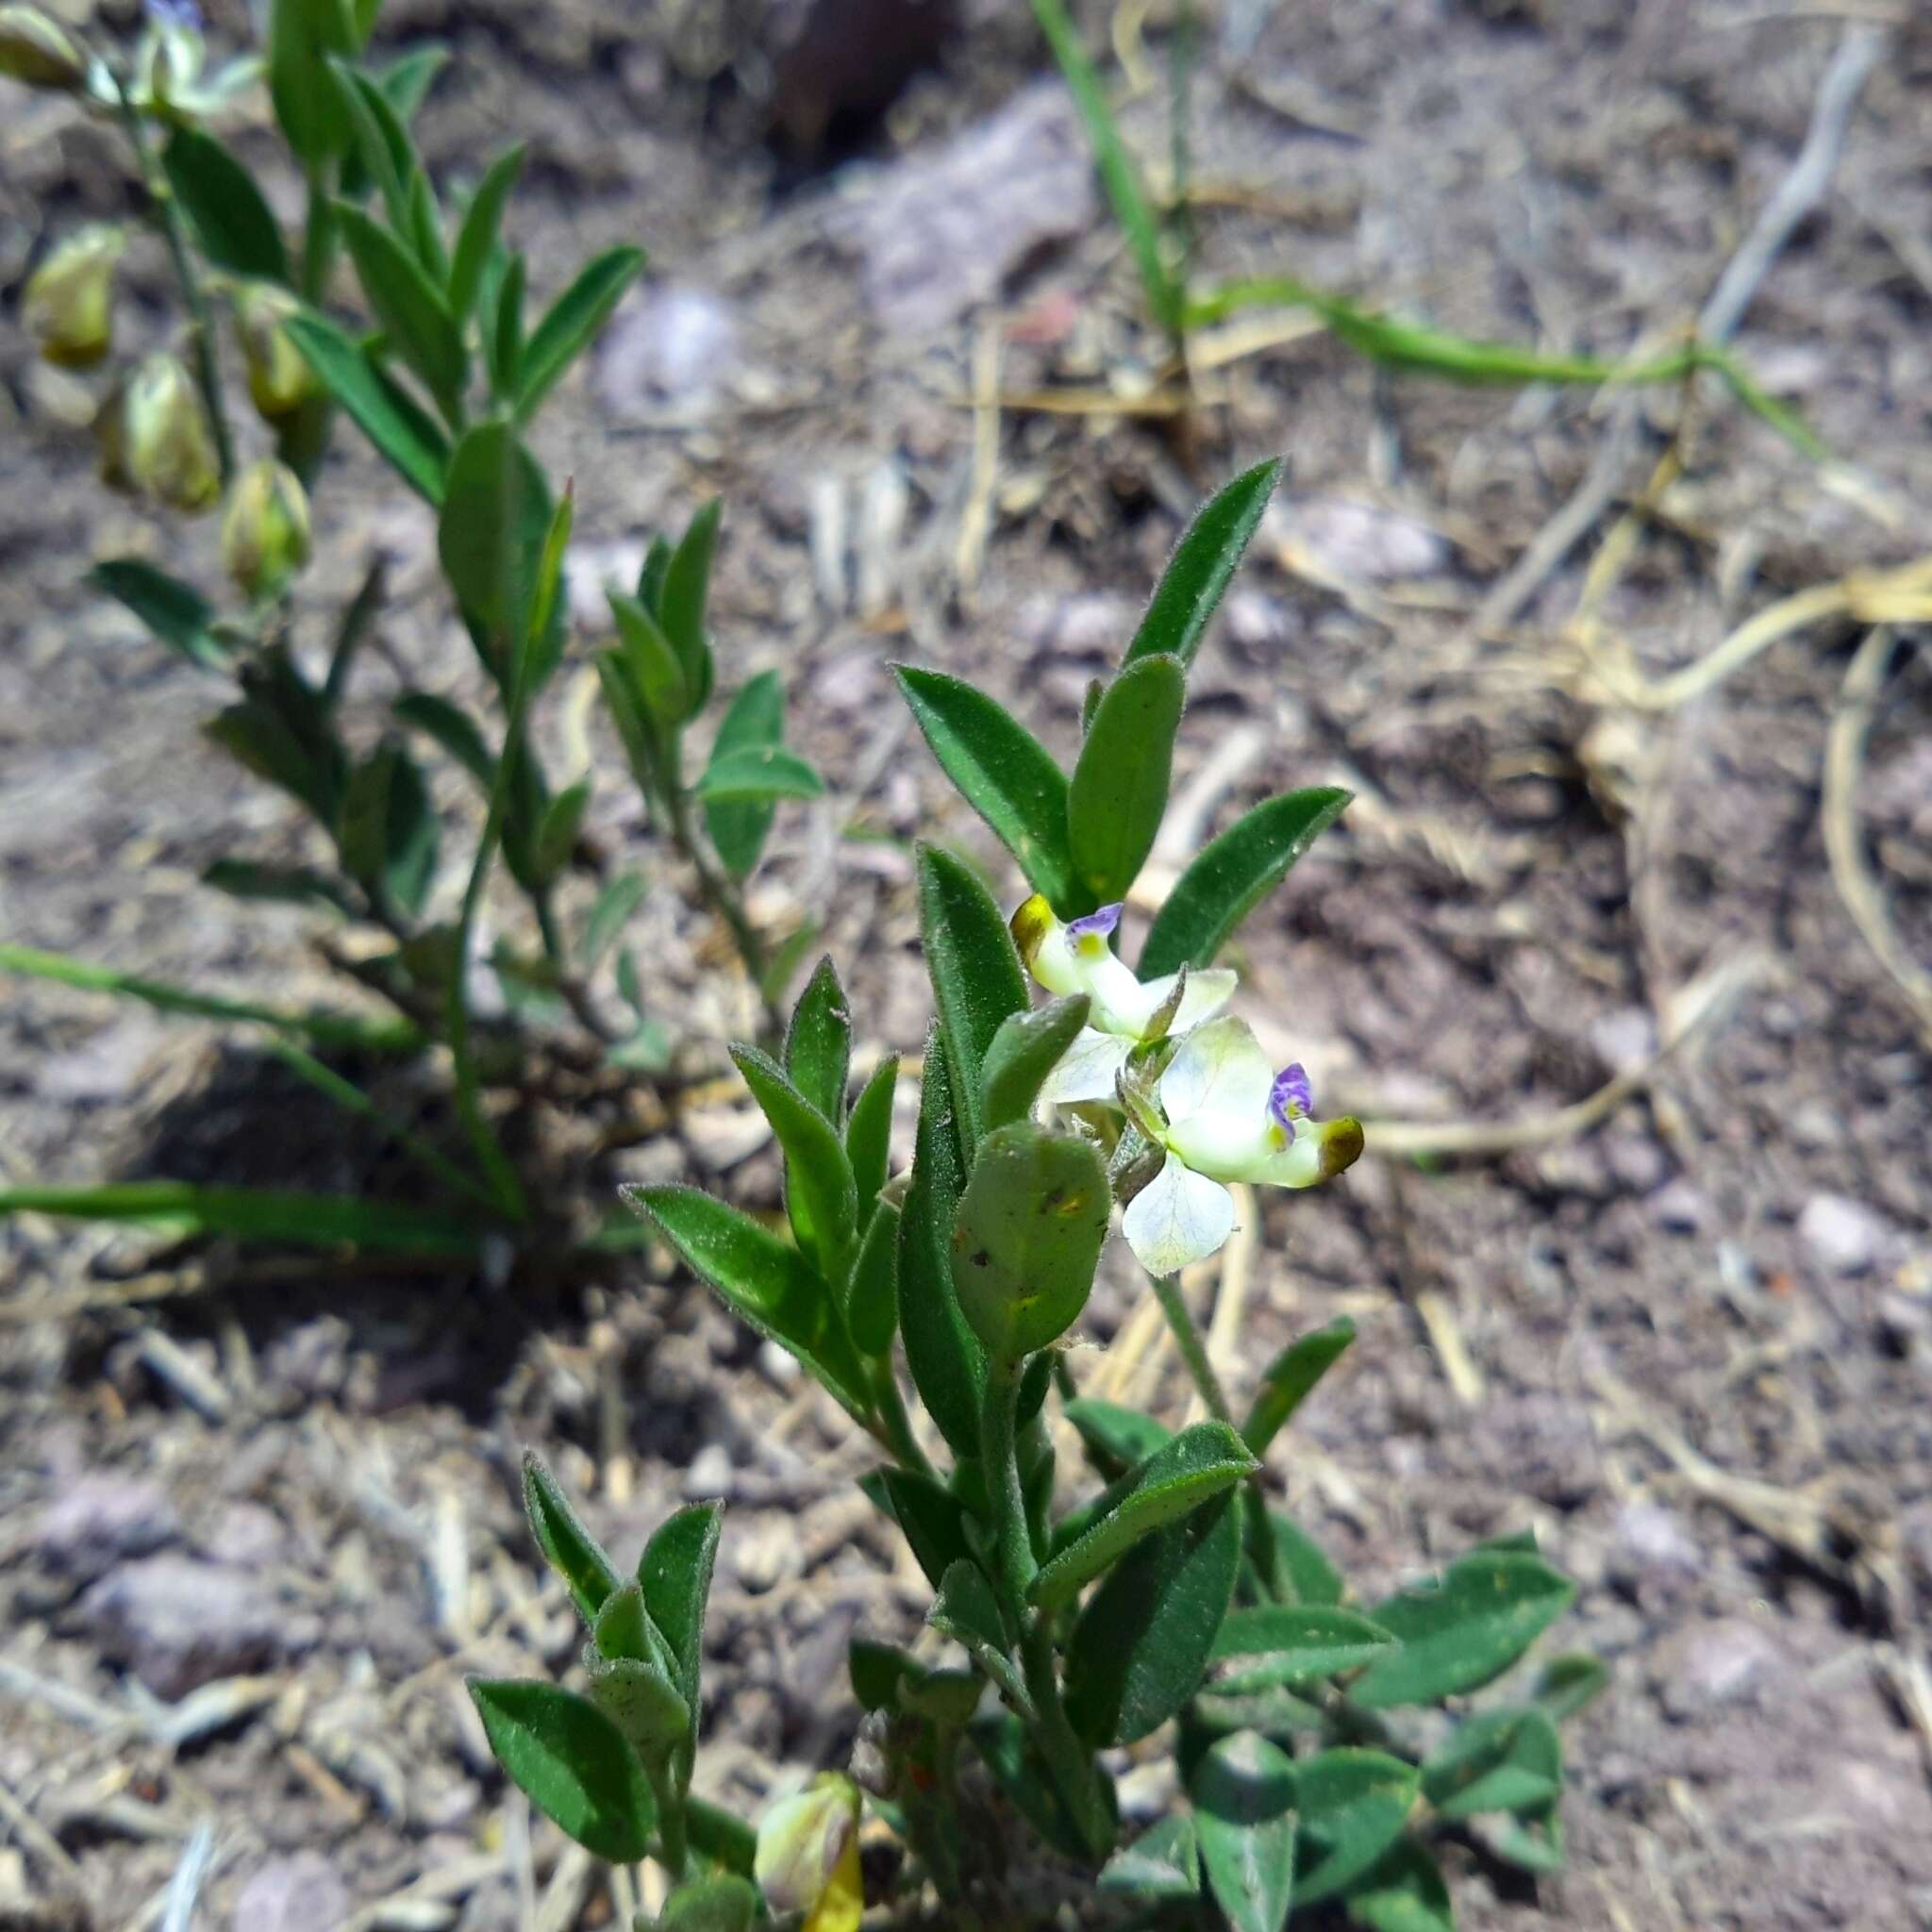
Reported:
(1073, 957)
(1225, 1115)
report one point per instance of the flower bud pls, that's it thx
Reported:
(808, 1855)
(265, 532)
(68, 306)
(39, 51)
(279, 381)
(168, 447)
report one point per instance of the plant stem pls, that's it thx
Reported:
(894, 1424)
(999, 1458)
(724, 898)
(672, 1847)
(167, 218)
(1070, 1761)
(319, 236)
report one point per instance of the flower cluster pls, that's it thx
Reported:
(1190, 1078)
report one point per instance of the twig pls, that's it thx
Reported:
(186, 1887)
(975, 521)
(1844, 758)
(35, 1838)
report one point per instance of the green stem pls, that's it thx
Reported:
(319, 236)
(1070, 1761)
(167, 217)
(999, 1458)
(724, 898)
(895, 1424)
(673, 1846)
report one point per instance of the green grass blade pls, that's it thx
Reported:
(267, 1214)
(322, 1029)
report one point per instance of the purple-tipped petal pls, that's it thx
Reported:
(1290, 1098)
(1096, 924)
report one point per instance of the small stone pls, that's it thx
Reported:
(1652, 1555)
(1680, 1207)
(103, 1518)
(1254, 620)
(675, 349)
(1841, 1235)
(302, 1894)
(106, 1066)
(247, 1535)
(1625, 1040)
(1716, 1662)
(710, 1473)
(1340, 541)
(1636, 1161)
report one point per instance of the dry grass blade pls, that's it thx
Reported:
(1844, 758)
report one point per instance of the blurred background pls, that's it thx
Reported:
(1642, 1259)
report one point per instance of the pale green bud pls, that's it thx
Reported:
(808, 1855)
(39, 51)
(279, 381)
(265, 531)
(169, 449)
(68, 306)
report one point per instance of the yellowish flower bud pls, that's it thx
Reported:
(279, 381)
(808, 1855)
(39, 51)
(170, 450)
(265, 532)
(68, 306)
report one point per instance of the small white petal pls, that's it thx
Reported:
(1207, 992)
(1220, 1070)
(1178, 1218)
(1089, 1070)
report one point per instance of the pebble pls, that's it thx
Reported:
(302, 1894)
(1353, 542)
(676, 347)
(710, 1473)
(1652, 1553)
(1680, 1207)
(1720, 1661)
(103, 1518)
(1841, 1235)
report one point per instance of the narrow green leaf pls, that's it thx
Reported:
(1023, 1053)
(1285, 1382)
(1531, 1839)
(1199, 1464)
(1119, 790)
(568, 1547)
(390, 831)
(976, 977)
(309, 103)
(570, 324)
(1004, 773)
(1163, 1862)
(726, 1840)
(1354, 1804)
(1202, 565)
(1567, 1684)
(643, 1702)
(1143, 1637)
(674, 1573)
(722, 1903)
(872, 1302)
(766, 1284)
(1007, 1750)
(425, 235)
(1243, 1794)
(352, 632)
(403, 436)
(649, 665)
(1230, 878)
(969, 1612)
(869, 1133)
(491, 534)
(757, 773)
(176, 613)
(932, 1519)
(755, 721)
(571, 1762)
(452, 729)
(406, 80)
(1292, 1643)
(818, 1042)
(382, 144)
(877, 1670)
(1115, 1438)
(610, 915)
(290, 885)
(234, 225)
(820, 1194)
(185, 1209)
(503, 334)
(1498, 1761)
(1463, 1632)
(1314, 1578)
(682, 595)
(411, 310)
(1405, 1892)
(476, 238)
(556, 835)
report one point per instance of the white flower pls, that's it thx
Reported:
(1227, 1117)
(1076, 957)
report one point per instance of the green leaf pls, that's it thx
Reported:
(872, 1302)
(476, 238)
(876, 1671)
(1143, 1637)
(452, 729)
(1202, 564)
(382, 144)
(503, 333)
(1119, 790)
(571, 1762)
(649, 665)
(556, 835)
(1354, 1804)
(234, 225)
(609, 914)
(1023, 1053)
(411, 310)
(1199, 1464)
(1404, 1893)
(682, 594)
(185, 1209)
(1314, 1578)
(1163, 1862)
(755, 721)
(1567, 1684)
(969, 1612)
(1027, 1237)
(403, 436)
(674, 1573)
(309, 103)
(869, 1133)
(718, 1835)
(265, 744)
(571, 321)
(820, 1196)
(1115, 1438)
(1285, 1382)
(1230, 878)
(818, 1042)
(757, 773)
(947, 1364)
(1498, 1761)
(290, 885)
(490, 537)
(1531, 1839)
(425, 234)
(722, 1903)
(642, 1701)
(1006, 1751)
(1465, 1631)
(976, 977)
(1292, 1643)
(406, 80)
(173, 612)
(1004, 773)
(932, 1519)
(568, 1547)
(389, 833)
(763, 1282)
(1243, 1794)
